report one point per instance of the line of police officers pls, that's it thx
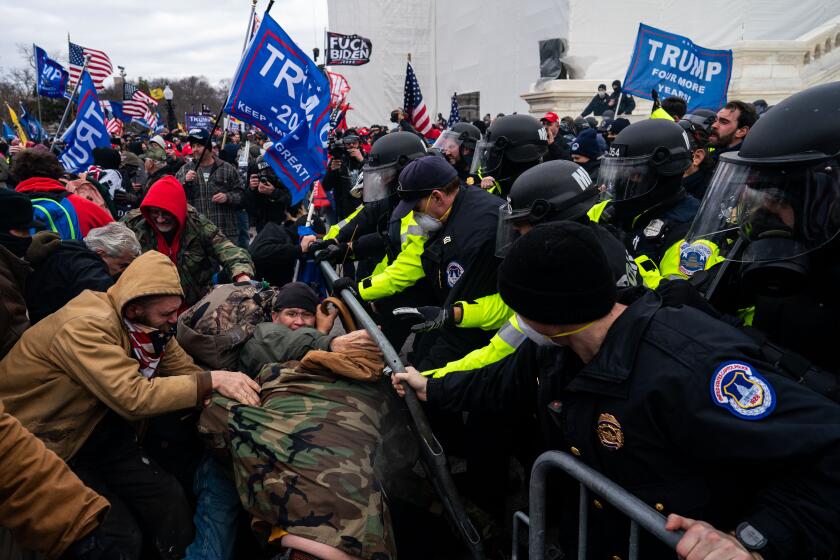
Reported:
(686, 353)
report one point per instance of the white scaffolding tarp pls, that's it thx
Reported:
(492, 46)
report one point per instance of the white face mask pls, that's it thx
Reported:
(543, 339)
(602, 94)
(427, 223)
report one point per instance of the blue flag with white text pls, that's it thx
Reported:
(674, 66)
(89, 130)
(116, 108)
(52, 77)
(278, 89)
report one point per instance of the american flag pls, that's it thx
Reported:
(136, 102)
(99, 67)
(114, 127)
(339, 88)
(414, 104)
(454, 116)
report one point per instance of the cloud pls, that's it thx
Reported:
(155, 39)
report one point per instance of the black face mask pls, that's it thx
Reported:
(775, 267)
(17, 245)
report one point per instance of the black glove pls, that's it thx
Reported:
(675, 293)
(426, 318)
(334, 253)
(321, 244)
(345, 283)
(124, 198)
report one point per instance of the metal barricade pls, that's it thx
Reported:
(641, 515)
(434, 459)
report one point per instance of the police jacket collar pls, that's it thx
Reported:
(607, 373)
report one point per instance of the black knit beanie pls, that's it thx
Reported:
(558, 274)
(296, 295)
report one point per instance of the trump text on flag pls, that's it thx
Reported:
(674, 66)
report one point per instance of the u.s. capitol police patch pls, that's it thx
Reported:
(742, 391)
(693, 257)
(453, 273)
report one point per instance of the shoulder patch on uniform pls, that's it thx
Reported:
(453, 273)
(693, 257)
(470, 181)
(741, 390)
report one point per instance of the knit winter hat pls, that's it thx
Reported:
(296, 295)
(586, 144)
(558, 274)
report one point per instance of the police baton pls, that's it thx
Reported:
(434, 457)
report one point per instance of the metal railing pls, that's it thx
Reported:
(641, 515)
(434, 459)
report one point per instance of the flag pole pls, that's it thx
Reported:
(70, 101)
(37, 93)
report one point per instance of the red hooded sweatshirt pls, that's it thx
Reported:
(167, 194)
(89, 214)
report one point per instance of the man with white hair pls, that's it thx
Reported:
(65, 268)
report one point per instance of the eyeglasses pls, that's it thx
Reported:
(291, 314)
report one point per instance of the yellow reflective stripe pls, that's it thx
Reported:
(486, 313)
(675, 265)
(334, 229)
(497, 349)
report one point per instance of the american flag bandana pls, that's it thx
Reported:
(147, 344)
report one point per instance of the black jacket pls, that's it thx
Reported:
(265, 208)
(460, 263)
(681, 410)
(275, 251)
(597, 106)
(62, 269)
(340, 181)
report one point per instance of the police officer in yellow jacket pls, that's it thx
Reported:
(641, 175)
(552, 191)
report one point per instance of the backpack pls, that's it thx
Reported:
(58, 214)
(215, 328)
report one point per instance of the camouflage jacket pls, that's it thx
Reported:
(278, 343)
(203, 250)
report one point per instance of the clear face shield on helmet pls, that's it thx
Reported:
(448, 144)
(626, 178)
(378, 183)
(488, 156)
(792, 209)
(506, 231)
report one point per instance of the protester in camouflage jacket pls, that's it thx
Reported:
(165, 223)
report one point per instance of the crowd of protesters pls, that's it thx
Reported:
(176, 381)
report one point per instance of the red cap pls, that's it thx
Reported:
(550, 117)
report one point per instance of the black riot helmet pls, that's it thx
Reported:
(388, 156)
(644, 166)
(780, 193)
(551, 191)
(512, 144)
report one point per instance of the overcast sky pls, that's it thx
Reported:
(169, 38)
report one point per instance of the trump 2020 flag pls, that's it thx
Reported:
(674, 66)
(52, 77)
(278, 89)
(89, 130)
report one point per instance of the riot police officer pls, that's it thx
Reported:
(772, 211)
(364, 235)
(512, 144)
(457, 145)
(677, 407)
(641, 176)
(552, 191)
(458, 259)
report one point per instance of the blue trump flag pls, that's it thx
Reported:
(674, 66)
(88, 130)
(278, 89)
(118, 113)
(32, 126)
(52, 77)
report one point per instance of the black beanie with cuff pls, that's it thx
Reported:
(558, 274)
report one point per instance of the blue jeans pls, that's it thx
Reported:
(215, 513)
